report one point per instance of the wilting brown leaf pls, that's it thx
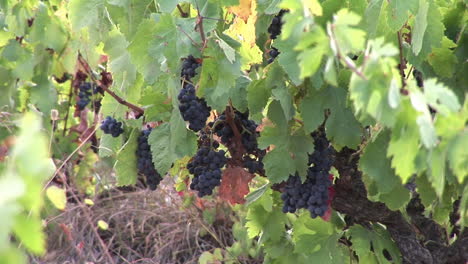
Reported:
(235, 185)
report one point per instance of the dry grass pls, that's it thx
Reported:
(144, 227)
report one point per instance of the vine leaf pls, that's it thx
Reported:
(375, 165)
(378, 239)
(398, 13)
(235, 185)
(244, 9)
(126, 164)
(171, 141)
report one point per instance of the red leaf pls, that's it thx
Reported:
(235, 185)
(331, 194)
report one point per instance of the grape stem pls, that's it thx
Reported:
(104, 84)
(182, 13)
(402, 64)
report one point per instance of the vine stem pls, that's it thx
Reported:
(182, 13)
(402, 64)
(105, 87)
(70, 94)
(334, 45)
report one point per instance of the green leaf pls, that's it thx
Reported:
(342, 127)
(458, 156)
(57, 196)
(171, 141)
(218, 76)
(78, 9)
(420, 24)
(12, 254)
(270, 224)
(29, 231)
(378, 238)
(256, 194)
(398, 12)
(396, 198)
(404, 144)
(440, 97)
(258, 94)
(425, 190)
(376, 166)
(443, 59)
(372, 15)
(437, 163)
(432, 36)
(126, 163)
(123, 71)
(109, 145)
(139, 49)
(278, 165)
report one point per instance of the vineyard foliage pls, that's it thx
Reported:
(385, 82)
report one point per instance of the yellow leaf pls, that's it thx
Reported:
(243, 10)
(89, 202)
(314, 7)
(103, 225)
(57, 197)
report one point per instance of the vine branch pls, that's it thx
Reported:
(351, 199)
(105, 83)
(182, 13)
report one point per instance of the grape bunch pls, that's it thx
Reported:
(275, 27)
(253, 165)
(145, 161)
(313, 193)
(273, 54)
(84, 95)
(193, 109)
(419, 78)
(247, 129)
(111, 126)
(189, 65)
(206, 167)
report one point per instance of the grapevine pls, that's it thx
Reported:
(339, 128)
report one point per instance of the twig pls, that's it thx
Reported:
(105, 87)
(199, 24)
(402, 64)
(89, 220)
(349, 63)
(182, 13)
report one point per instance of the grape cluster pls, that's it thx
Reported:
(253, 165)
(189, 65)
(273, 54)
(313, 193)
(275, 27)
(247, 129)
(111, 126)
(145, 161)
(84, 95)
(193, 109)
(419, 78)
(206, 167)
